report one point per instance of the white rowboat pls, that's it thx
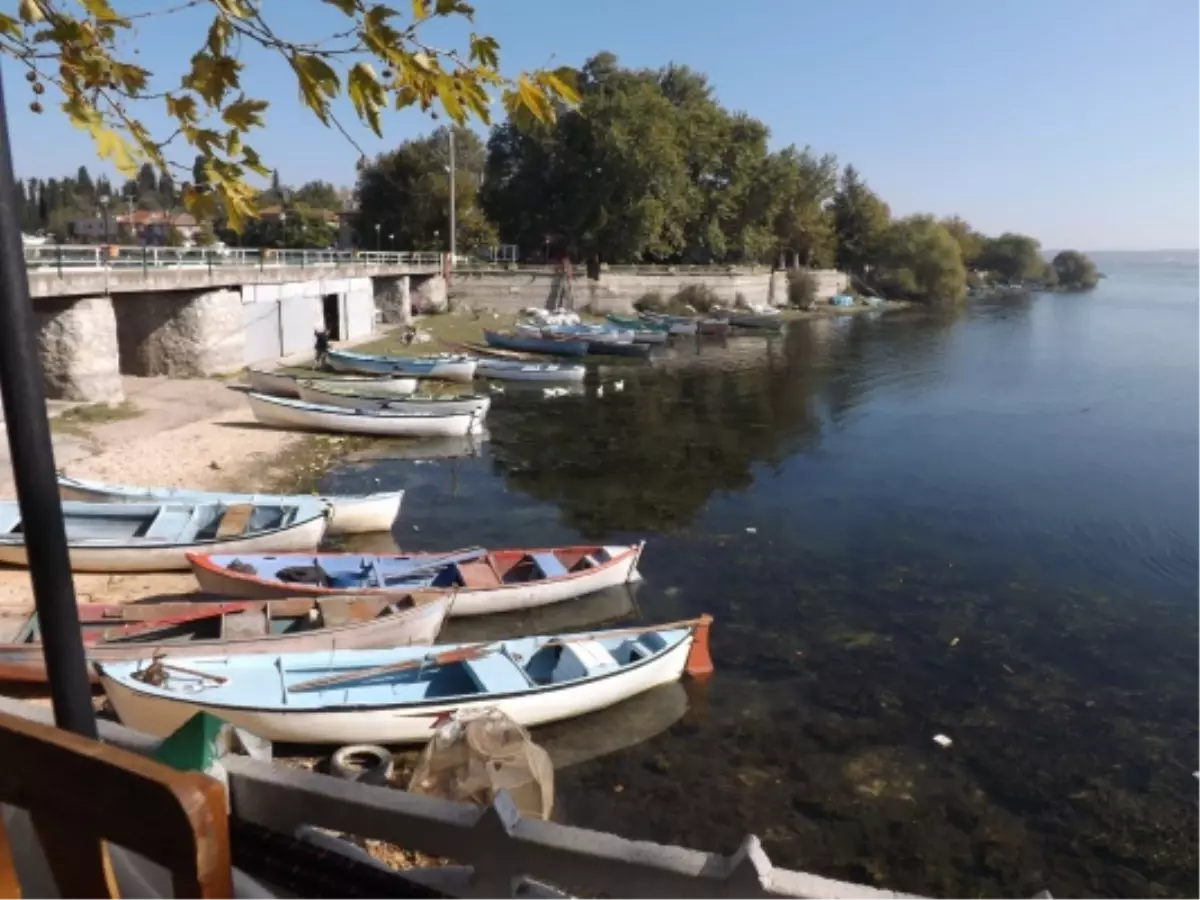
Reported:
(325, 393)
(156, 537)
(399, 696)
(287, 413)
(348, 514)
(283, 384)
(483, 581)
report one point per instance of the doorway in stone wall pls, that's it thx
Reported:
(331, 309)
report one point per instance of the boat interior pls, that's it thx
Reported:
(476, 570)
(166, 522)
(512, 667)
(220, 622)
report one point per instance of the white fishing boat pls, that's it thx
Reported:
(283, 384)
(400, 696)
(446, 366)
(517, 370)
(156, 537)
(348, 513)
(332, 394)
(483, 581)
(287, 413)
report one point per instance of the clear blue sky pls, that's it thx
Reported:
(1075, 121)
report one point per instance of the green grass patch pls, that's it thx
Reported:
(78, 420)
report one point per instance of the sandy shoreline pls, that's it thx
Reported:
(194, 433)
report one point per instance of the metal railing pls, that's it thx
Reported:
(63, 258)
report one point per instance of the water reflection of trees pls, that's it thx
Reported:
(650, 456)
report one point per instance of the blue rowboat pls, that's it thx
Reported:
(156, 537)
(450, 367)
(348, 513)
(536, 343)
(399, 696)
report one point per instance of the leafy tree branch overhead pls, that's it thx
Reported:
(378, 61)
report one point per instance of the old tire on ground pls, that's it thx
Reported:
(364, 763)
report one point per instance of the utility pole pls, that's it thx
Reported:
(453, 228)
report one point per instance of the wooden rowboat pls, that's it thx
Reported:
(283, 384)
(348, 513)
(446, 366)
(399, 696)
(287, 413)
(483, 581)
(186, 629)
(330, 393)
(156, 537)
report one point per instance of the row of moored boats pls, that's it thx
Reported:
(301, 646)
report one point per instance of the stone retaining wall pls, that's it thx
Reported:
(616, 291)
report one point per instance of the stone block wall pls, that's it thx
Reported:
(180, 334)
(393, 299)
(429, 292)
(77, 341)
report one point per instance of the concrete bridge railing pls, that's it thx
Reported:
(73, 258)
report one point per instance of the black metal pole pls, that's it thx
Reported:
(33, 469)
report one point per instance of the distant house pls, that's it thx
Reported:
(93, 229)
(151, 227)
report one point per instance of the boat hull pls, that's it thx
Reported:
(366, 401)
(622, 568)
(270, 411)
(534, 344)
(304, 535)
(361, 514)
(505, 370)
(161, 715)
(419, 625)
(448, 369)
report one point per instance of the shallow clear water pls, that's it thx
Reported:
(982, 525)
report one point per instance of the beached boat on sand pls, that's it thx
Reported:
(483, 581)
(185, 629)
(283, 384)
(448, 367)
(287, 413)
(348, 513)
(399, 696)
(156, 537)
(330, 393)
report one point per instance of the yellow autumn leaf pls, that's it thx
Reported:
(29, 11)
(111, 145)
(420, 9)
(244, 113)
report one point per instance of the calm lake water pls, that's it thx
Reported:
(982, 525)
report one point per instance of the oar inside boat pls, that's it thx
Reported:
(699, 661)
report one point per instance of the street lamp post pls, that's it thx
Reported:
(453, 203)
(103, 201)
(283, 230)
(378, 245)
(392, 242)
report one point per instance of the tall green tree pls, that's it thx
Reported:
(802, 186)
(1012, 258)
(920, 260)
(317, 195)
(84, 188)
(861, 221)
(970, 242)
(407, 194)
(166, 192)
(1074, 270)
